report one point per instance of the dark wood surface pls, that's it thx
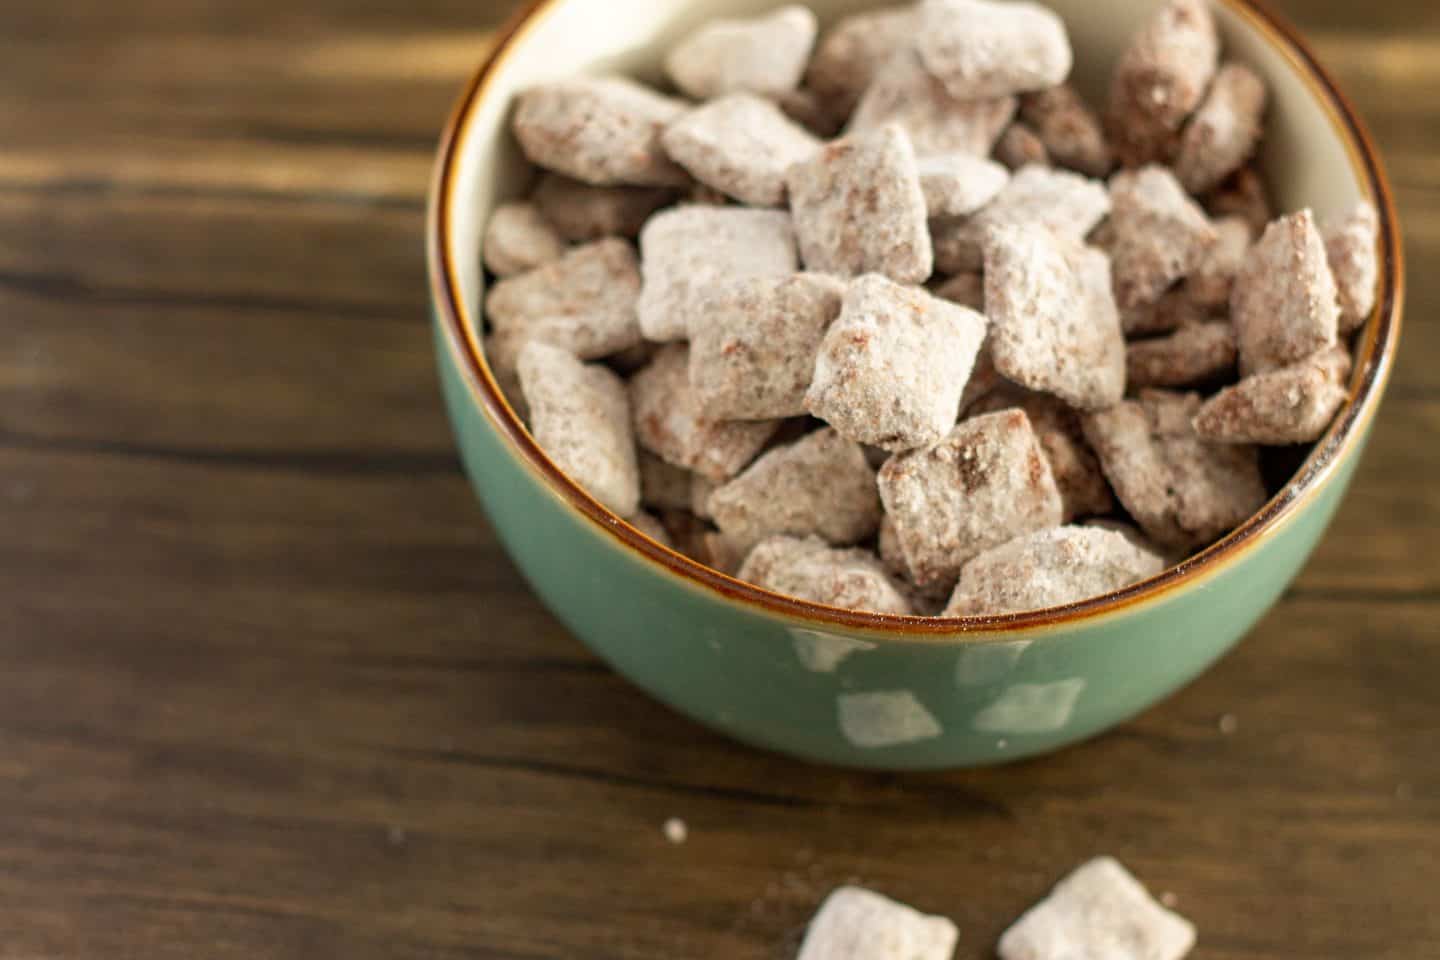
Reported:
(270, 688)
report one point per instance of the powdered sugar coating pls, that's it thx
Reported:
(753, 344)
(859, 208)
(1293, 404)
(856, 924)
(891, 369)
(1020, 146)
(1069, 130)
(1160, 79)
(1049, 568)
(1284, 304)
(741, 145)
(584, 301)
(601, 130)
(1054, 323)
(1210, 283)
(581, 212)
(764, 55)
(820, 485)
(978, 48)
(670, 424)
(1224, 131)
(1182, 491)
(956, 184)
(810, 569)
(851, 53)
(985, 483)
(927, 600)
(1160, 234)
(686, 250)
(1350, 248)
(904, 92)
(1193, 354)
(580, 417)
(517, 238)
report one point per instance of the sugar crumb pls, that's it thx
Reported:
(675, 830)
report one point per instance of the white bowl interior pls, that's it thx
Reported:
(1305, 158)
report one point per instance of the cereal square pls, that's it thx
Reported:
(1293, 404)
(1210, 283)
(904, 92)
(891, 369)
(957, 184)
(852, 52)
(810, 569)
(517, 238)
(1284, 304)
(1191, 355)
(1160, 79)
(979, 48)
(1222, 135)
(1069, 130)
(763, 55)
(1160, 234)
(856, 924)
(581, 212)
(741, 145)
(1350, 247)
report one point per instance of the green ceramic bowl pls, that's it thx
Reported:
(863, 689)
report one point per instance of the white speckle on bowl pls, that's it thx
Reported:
(1032, 707)
(988, 662)
(885, 718)
(821, 652)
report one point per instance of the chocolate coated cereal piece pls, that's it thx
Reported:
(956, 184)
(1193, 354)
(686, 250)
(1054, 323)
(602, 130)
(1183, 492)
(1160, 79)
(891, 369)
(810, 569)
(1020, 146)
(851, 53)
(669, 423)
(1049, 568)
(1284, 304)
(753, 344)
(741, 145)
(1069, 130)
(928, 600)
(1293, 404)
(1098, 911)
(652, 528)
(663, 486)
(581, 212)
(1160, 234)
(820, 485)
(1210, 283)
(580, 417)
(1065, 203)
(987, 482)
(764, 55)
(904, 92)
(517, 238)
(584, 301)
(1350, 247)
(859, 208)
(1224, 131)
(1244, 195)
(856, 924)
(1175, 309)
(978, 48)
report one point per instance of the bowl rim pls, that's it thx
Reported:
(1344, 438)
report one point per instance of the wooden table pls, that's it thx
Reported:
(270, 688)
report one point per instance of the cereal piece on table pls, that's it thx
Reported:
(1244, 195)
(1020, 146)
(1293, 404)
(753, 344)
(600, 130)
(956, 184)
(581, 212)
(517, 238)
(741, 145)
(1068, 129)
(928, 600)
(904, 92)
(852, 52)
(1160, 234)
(1054, 326)
(820, 484)
(1350, 247)
(1174, 309)
(987, 482)
(580, 417)
(584, 301)
(1284, 304)
(856, 924)
(1224, 131)
(810, 569)
(1193, 354)
(1160, 79)
(859, 208)
(663, 486)
(1049, 568)
(1065, 203)
(1185, 493)
(764, 55)
(891, 369)
(979, 48)
(686, 250)
(668, 421)
(1210, 283)
(813, 112)
(1078, 477)
(652, 528)
(1098, 911)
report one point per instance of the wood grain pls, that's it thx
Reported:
(269, 686)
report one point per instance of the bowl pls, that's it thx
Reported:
(847, 687)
